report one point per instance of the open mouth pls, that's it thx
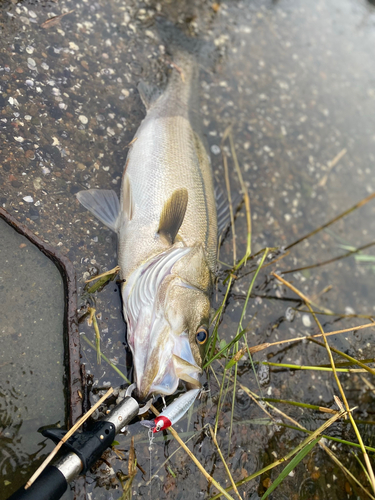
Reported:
(164, 367)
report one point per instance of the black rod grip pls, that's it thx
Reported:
(50, 485)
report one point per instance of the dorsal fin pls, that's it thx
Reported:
(149, 93)
(223, 210)
(173, 214)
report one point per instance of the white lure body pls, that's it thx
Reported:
(174, 412)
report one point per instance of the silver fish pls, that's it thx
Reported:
(167, 229)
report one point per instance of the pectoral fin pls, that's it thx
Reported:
(127, 201)
(172, 215)
(103, 204)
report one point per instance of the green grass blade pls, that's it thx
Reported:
(213, 339)
(101, 282)
(307, 367)
(233, 360)
(346, 356)
(119, 372)
(224, 349)
(297, 449)
(330, 438)
(363, 467)
(292, 464)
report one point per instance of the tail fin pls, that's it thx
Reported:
(183, 47)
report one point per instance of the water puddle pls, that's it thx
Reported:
(32, 371)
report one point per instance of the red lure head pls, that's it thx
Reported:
(161, 423)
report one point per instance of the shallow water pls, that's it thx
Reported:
(31, 356)
(296, 81)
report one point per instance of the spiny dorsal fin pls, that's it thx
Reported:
(103, 204)
(223, 210)
(149, 93)
(173, 214)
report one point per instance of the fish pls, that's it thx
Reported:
(167, 229)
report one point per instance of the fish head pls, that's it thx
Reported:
(168, 332)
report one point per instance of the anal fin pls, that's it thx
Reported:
(102, 203)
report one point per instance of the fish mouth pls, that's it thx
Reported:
(162, 361)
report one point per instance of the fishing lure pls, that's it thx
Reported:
(173, 413)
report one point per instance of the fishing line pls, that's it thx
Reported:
(151, 442)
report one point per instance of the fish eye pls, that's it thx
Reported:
(202, 335)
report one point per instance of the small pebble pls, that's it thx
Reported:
(306, 320)
(29, 49)
(215, 149)
(289, 314)
(28, 199)
(264, 375)
(83, 119)
(73, 46)
(31, 63)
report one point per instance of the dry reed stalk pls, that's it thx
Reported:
(330, 166)
(111, 271)
(324, 447)
(66, 437)
(224, 462)
(335, 219)
(359, 437)
(282, 460)
(227, 184)
(246, 198)
(209, 478)
(261, 347)
(330, 261)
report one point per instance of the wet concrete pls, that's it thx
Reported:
(296, 81)
(32, 389)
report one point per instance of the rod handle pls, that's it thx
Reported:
(50, 485)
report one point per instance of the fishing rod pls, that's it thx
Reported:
(82, 450)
